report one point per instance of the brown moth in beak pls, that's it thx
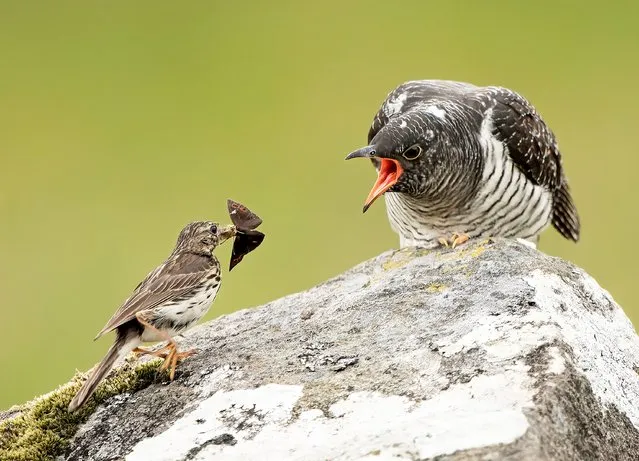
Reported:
(247, 238)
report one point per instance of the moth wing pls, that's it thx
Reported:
(244, 243)
(243, 218)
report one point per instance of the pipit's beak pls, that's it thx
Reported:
(389, 172)
(225, 232)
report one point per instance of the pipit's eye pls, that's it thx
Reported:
(412, 152)
(213, 229)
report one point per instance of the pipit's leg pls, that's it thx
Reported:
(173, 364)
(158, 352)
(171, 356)
(170, 347)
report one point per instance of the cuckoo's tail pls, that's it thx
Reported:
(125, 342)
(565, 217)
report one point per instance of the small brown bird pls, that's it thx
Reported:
(167, 302)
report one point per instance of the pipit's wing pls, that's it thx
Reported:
(175, 278)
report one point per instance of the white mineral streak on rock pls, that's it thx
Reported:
(486, 410)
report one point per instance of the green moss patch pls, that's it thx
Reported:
(43, 427)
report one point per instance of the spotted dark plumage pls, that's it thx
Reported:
(456, 158)
(171, 299)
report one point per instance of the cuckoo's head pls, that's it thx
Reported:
(406, 153)
(201, 237)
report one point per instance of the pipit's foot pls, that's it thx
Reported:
(161, 352)
(185, 354)
(173, 357)
(456, 239)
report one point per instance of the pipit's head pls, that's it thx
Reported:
(201, 237)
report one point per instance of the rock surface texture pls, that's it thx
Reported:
(492, 351)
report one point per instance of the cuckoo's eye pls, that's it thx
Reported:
(412, 152)
(213, 229)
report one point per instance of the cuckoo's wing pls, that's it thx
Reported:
(171, 281)
(533, 148)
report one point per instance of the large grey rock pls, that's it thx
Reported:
(491, 351)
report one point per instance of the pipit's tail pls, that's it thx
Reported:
(125, 342)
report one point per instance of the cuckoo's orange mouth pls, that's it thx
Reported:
(389, 172)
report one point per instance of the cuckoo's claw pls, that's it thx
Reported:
(456, 239)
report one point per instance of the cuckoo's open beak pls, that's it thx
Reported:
(389, 172)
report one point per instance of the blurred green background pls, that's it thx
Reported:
(122, 121)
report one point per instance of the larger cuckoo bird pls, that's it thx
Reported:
(456, 161)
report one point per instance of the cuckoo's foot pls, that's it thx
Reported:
(456, 239)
